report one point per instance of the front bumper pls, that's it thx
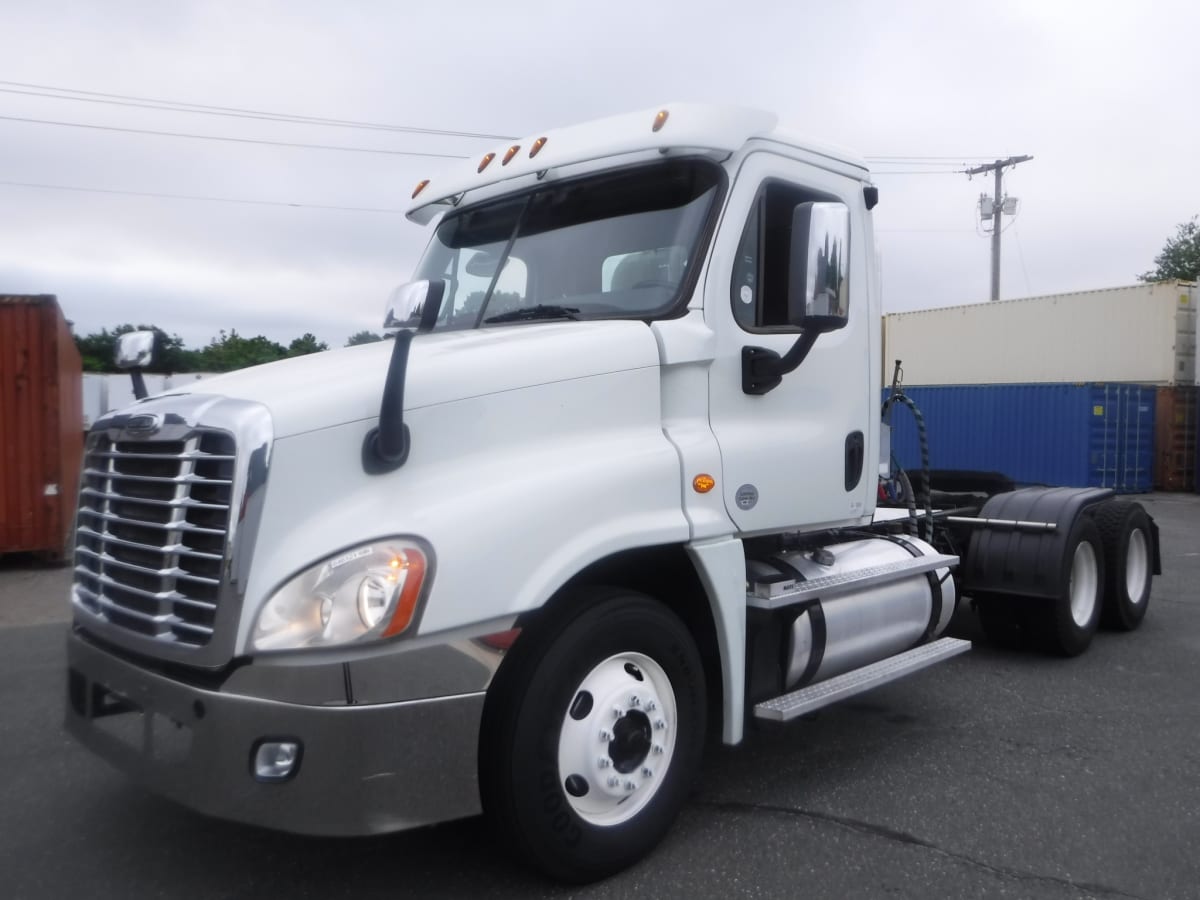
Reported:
(364, 769)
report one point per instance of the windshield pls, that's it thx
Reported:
(613, 245)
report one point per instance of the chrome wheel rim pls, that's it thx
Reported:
(1084, 584)
(617, 739)
(1137, 567)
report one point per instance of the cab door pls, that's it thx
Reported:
(803, 453)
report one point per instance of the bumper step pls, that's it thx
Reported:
(788, 592)
(789, 706)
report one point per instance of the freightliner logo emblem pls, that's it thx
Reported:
(143, 425)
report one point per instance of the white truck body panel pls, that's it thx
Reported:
(1142, 333)
(540, 479)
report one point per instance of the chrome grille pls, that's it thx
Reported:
(152, 535)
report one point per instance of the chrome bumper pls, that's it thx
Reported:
(364, 769)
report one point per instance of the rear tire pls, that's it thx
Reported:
(592, 733)
(1128, 560)
(1069, 621)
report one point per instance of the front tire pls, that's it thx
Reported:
(592, 733)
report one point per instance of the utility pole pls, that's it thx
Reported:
(998, 204)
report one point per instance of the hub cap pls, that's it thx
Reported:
(617, 738)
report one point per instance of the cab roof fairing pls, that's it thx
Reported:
(693, 126)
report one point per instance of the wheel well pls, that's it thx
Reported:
(668, 575)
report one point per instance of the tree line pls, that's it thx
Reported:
(224, 353)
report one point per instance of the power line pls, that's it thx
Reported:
(88, 190)
(39, 90)
(235, 140)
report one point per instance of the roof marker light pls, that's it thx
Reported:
(512, 151)
(420, 187)
(660, 120)
(483, 163)
(537, 145)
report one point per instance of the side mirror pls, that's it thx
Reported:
(134, 351)
(820, 260)
(414, 305)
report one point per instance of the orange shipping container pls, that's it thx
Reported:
(1175, 438)
(41, 426)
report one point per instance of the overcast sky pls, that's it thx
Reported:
(1103, 95)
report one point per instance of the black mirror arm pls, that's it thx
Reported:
(763, 369)
(386, 448)
(139, 384)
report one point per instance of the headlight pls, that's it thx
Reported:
(363, 594)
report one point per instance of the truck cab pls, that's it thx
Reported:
(612, 486)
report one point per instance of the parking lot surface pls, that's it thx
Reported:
(997, 774)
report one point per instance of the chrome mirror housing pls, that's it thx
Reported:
(818, 291)
(414, 305)
(134, 350)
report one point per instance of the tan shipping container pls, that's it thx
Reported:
(1142, 334)
(41, 426)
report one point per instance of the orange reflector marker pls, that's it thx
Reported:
(660, 120)
(501, 640)
(420, 187)
(483, 163)
(512, 151)
(412, 564)
(537, 145)
(702, 484)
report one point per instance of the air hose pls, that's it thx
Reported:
(898, 396)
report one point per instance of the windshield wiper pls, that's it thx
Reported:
(541, 311)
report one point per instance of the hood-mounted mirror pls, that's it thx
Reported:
(134, 351)
(411, 309)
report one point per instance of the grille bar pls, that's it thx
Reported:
(182, 549)
(155, 479)
(182, 503)
(176, 572)
(151, 542)
(109, 454)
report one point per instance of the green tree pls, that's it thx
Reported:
(305, 344)
(363, 337)
(229, 351)
(1180, 256)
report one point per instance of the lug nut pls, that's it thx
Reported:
(635, 700)
(651, 706)
(605, 735)
(613, 781)
(646, 773)
(603, 762)
(630, 786)
(658, 750)
(618, 712)
(660, 724)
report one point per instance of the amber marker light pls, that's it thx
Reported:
(537, 146)
(660, 120)
(411, 565)
(512, 151)
(421, 185)
(483, 163)
(702, 484)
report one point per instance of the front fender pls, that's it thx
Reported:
(516, 492)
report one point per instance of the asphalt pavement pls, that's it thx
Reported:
(996, 774)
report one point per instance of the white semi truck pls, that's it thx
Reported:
(614, 487)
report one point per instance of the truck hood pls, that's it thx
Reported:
(339, 386)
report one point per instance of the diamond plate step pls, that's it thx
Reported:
(805, 700)
(774, 596)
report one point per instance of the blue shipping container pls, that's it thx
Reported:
(1069, 435)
